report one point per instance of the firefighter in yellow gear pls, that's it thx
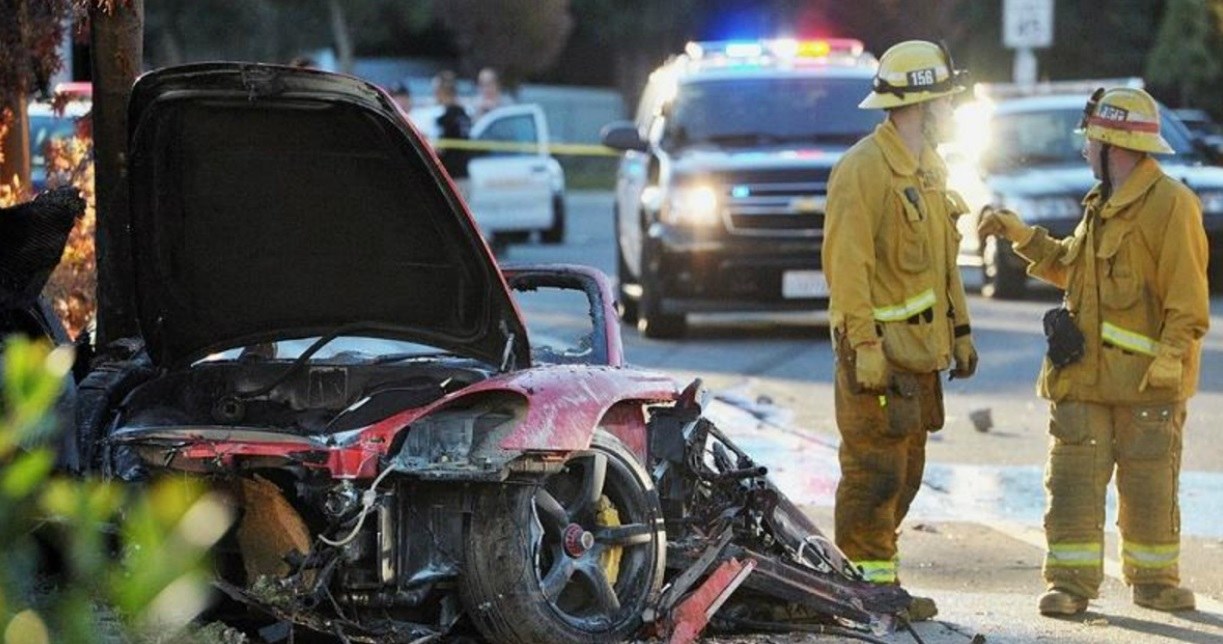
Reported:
(1134, 273)
(897, 306)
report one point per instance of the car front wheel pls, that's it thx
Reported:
(575, 558)
(556, 233)
(626, 305)
(652, 322)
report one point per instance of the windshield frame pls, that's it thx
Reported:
(721, 104)
(1171, 128)
(343, 349)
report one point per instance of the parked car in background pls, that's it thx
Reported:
(721, 191)
(1023, 153)
(517, 187)
(1204, 129)
(48, 124)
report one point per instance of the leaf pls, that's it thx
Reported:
(83, 501)
(33, 380)
(167, 535)
(26, 473)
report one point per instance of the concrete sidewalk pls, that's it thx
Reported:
(983, 569)
(986, 581)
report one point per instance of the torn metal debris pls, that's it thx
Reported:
(719, 503)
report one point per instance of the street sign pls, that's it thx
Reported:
(1027, 24)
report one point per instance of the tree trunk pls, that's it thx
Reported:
(117, 47)
(15, 147)
(343, 39)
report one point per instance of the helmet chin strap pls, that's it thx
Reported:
(1106, 180)
(929, 125)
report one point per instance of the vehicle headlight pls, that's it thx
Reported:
(444, 438)
(1212, 202)
(692, 206)
(449, 437)
(1045, 208)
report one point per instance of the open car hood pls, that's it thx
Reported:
(270, 202)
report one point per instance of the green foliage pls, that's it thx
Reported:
(86, 560)
(1185, 59)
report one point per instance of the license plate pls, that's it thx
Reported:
(803, 284)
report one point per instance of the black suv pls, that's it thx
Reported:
(721, 191)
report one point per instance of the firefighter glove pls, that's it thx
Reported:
(1004, 223)
(1165, 371)
(965, 355)
(870, 367)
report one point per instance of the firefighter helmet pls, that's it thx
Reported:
(913, 72)
(1126, 118)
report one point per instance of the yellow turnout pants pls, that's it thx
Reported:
(883, 455)
(1088, 441)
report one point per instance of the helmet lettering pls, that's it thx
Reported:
(921, 77)
(1113, 113)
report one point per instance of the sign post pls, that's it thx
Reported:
(1026, 25)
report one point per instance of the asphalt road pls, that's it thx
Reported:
(973, 539)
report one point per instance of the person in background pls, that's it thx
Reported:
(489, 96)
(453, 126)
(402, 96)
(1122, 361)
(897, 309)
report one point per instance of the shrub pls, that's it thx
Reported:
(90, 560)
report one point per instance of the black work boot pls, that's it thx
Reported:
(1163, 597)
(1061, 603)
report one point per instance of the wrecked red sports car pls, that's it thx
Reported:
(326, 338)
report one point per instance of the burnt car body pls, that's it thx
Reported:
(327, 340)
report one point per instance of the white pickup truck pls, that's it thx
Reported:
(516, 189)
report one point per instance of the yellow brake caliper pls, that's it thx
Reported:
(606, 516)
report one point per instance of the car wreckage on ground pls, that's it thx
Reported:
(326, 339)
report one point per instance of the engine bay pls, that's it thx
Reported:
(310, 400)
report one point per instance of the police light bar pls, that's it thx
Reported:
(779, 48)
(744, 49)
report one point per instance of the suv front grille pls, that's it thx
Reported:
(767, 208)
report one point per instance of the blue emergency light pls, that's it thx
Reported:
(785, 49)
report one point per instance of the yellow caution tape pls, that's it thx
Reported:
(576, 149)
